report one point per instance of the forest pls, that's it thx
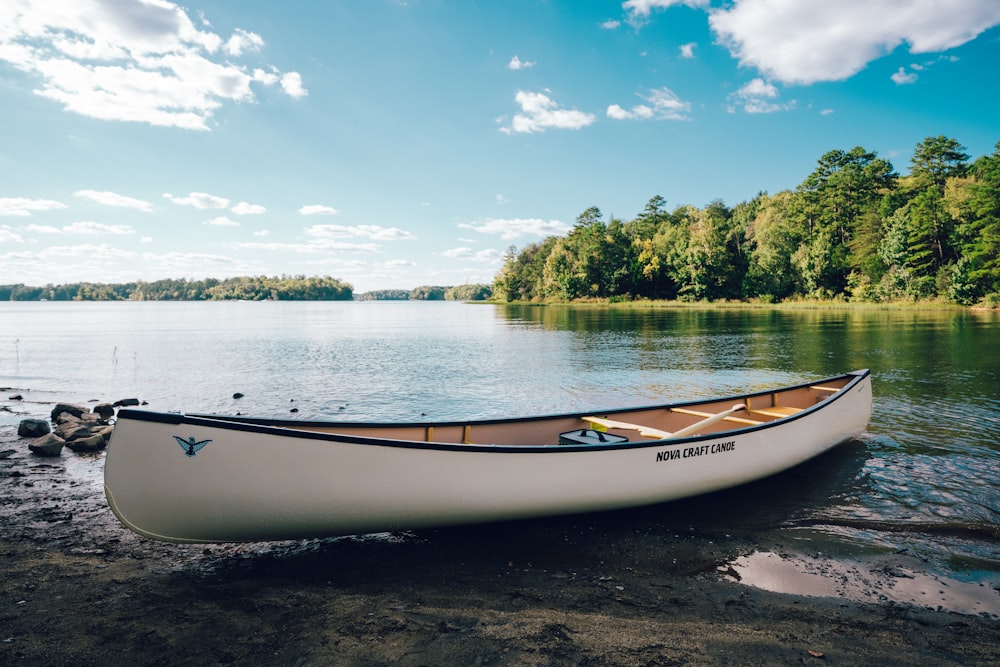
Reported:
(247, 288)
(853, 230)
(430, 293)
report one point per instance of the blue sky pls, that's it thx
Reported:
(397, 143)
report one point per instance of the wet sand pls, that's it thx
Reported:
(624, 588)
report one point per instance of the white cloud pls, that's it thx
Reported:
(291, 83)
(611, 24)
(638, 11)
(758, 88)
(96, 228)
(516, 64)
(616, 112)
(8, 235)
(759, 96)
(86, 250)
(243, 208)
(901, 77)
(200, 200)
(261, 232)
(662, 104)
(64, 264)
(22, 207)
(242, 41)
(513, 228)
(40, 229)
(190, 263)
(687, 50)
(115, 199)
(267, 78)
(80, 228)
(540, 113)
(313, 247)
(805, 42)
(459, 253)
(130, 61)
(221, 221)
(373, 232)
(488, 256)
(317, 209)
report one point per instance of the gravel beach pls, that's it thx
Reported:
(623, 588)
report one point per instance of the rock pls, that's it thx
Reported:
(67, 418)
(15, 397)
(47, 445)
(126, 402)
(75, 410)
(237, 395)
(94, 443)
(33, 428)
(105, 411)
(73, 430)
(104, 432)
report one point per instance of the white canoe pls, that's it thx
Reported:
(214, 478)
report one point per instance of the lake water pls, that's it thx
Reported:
(923, 480)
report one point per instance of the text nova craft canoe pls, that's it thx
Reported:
(215, 478)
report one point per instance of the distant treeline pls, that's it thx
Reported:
(249, 288)
(431, 293)
(853, 229)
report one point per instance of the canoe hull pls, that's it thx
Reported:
(188, 479)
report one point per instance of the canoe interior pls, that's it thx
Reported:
(646, 424)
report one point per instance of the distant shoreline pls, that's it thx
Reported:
(244, 288)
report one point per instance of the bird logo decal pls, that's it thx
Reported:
(191, 446)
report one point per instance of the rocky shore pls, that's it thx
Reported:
(641, 587)
(78, 427)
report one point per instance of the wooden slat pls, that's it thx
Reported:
(822, 388)
(777, 411)
(709, 419)
(698, 413)
(686, 411)
(647, 431)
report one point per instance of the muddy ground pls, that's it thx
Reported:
(625, 588)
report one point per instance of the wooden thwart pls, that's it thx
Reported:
(651, 432)
(699, 413)
(647, 431)
(776, 411)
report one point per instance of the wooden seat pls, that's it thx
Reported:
(650, 432)
(776, 411)
(647, 431)
(698, 413)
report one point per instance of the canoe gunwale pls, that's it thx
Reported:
(287, 428)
